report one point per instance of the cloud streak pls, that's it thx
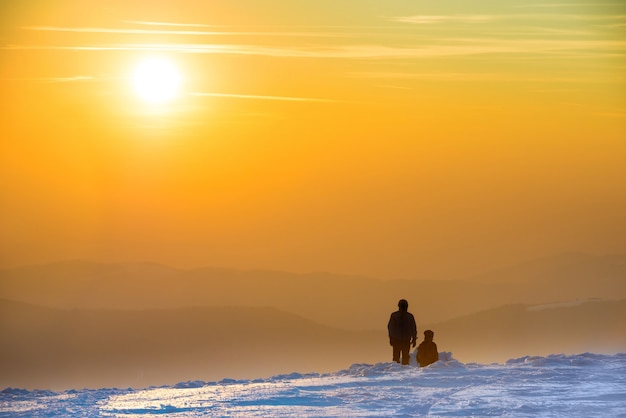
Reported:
(265, 97)
(442, 48)
(443, 19)
(54, 79)
(464, 77)
(128, 31)
(560, 5)
(186, 25)
(527, 42)
(436, 19)
(499, 77)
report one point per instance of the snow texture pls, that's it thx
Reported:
(584, 385)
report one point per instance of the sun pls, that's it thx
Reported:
(156, 80)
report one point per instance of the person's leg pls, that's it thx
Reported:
(396, 353)
(406, 348)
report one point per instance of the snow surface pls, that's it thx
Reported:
(585, 385)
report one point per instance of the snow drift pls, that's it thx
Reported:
(581, 385)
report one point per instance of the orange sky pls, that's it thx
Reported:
(390, 139)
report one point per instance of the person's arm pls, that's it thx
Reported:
(414, 332)
(390, 326)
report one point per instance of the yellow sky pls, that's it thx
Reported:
(390, 139)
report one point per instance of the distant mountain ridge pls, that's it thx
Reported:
(48, 347)
(345, 302)
(565, 267)
(518, 330)
(53, 348)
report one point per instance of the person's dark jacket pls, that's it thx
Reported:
(402, 327)
(427, 353)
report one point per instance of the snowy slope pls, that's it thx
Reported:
(583, 385)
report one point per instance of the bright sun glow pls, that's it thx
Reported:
(156, 80)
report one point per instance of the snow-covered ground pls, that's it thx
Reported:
(585, 385)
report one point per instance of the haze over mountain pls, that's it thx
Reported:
(346, 302)
(62, 349)
(81, 323)
(52, 348)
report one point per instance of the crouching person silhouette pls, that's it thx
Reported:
(427, 351)
(402, 332)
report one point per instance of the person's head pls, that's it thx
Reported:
(403, 305)
(429, 335)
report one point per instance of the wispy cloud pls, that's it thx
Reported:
(471, 77)
(55, 79)
(393, 86)
(441, 19)
(547, 45)
(442, 48)
(525, 41)
(539, 31)
(343, 51)
(130, 31)
(618, 113)
(559, 5)
(264, 97)
(186, 25)
(434, 19)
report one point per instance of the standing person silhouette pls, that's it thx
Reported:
(402, 332)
